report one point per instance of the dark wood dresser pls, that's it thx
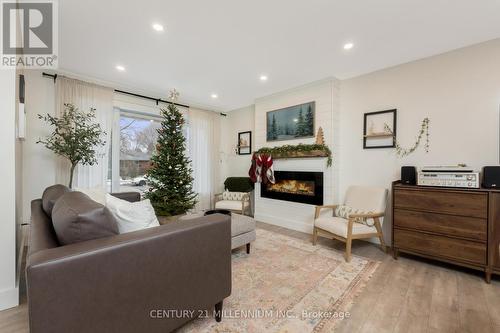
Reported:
(458, 226)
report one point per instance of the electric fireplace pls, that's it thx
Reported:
(295, 186)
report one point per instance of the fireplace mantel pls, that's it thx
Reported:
(298, 151)
(302, 154)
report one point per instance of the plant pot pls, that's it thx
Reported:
(168, 219)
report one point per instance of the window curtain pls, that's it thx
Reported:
(85, 96)
(203, 149)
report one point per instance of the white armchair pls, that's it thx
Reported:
(234, 201)
(368, 206)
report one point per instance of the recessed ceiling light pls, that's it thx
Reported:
(348, 46)
(214, 96)
(120, 68)
(263, 78)
(157, 27)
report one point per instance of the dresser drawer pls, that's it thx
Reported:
(450, 225)
(473, 204)
(440, 246)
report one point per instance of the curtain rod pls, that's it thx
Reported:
(157, 100)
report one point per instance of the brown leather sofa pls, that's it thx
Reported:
(152, 280)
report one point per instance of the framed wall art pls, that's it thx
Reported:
(245, 143)
(290, 123)
(379, 129)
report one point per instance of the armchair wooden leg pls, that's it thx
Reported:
(218, 312)
(315, 235)
(348, 246)
(380, 234)
(348, 241)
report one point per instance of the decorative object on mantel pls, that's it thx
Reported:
(290, 123)
(298, 151)
(77, 143)
(261, 169)
(320, 138)
(245, 143)
(171, 184)
(379, 129)
(424, 129)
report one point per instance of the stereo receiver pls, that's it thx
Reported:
(448, 176)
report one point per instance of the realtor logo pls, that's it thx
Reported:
(29, 34)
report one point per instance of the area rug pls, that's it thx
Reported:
(288, 285)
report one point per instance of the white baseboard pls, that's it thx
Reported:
(9, 298)
(285, 223)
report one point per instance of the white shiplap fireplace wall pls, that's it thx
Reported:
(325, 93)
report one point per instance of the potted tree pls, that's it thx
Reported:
(171, 183)
(75, 136)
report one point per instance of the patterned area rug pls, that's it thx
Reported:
(288, 285)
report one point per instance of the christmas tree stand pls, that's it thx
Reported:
(169, 219)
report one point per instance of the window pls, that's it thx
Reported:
(134, 142)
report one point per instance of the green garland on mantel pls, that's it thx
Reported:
(292, 151)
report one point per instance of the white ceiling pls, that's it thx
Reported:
(223, 46)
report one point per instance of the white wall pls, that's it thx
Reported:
(8, 290)
(326, 95)
(460, 93)
(241, 120)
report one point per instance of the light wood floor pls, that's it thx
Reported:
(405, 295)
(417, 295)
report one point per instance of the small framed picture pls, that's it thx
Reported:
(245, 143)
(379, 129)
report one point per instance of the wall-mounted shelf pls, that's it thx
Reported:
(378, 135)
(301, 154)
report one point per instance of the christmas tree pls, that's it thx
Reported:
(301, 125)
(171, 184)
(274, 129)
(309, 123)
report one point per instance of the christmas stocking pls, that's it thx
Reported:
(270, 169)
(258, 170)
(253, 169)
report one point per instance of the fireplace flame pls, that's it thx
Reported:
(293, 187)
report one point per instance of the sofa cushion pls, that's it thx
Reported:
(228, 204)
(97, 194)
(132, 216)
(338, 226)
(241, 224)
(78, 218)
(50, 196)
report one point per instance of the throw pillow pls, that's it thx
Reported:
(344, 212)
(51, 195)
(77, 218)
(96, 193)
(132, 216)
(232, 196)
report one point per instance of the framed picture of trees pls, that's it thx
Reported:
(293, 122)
